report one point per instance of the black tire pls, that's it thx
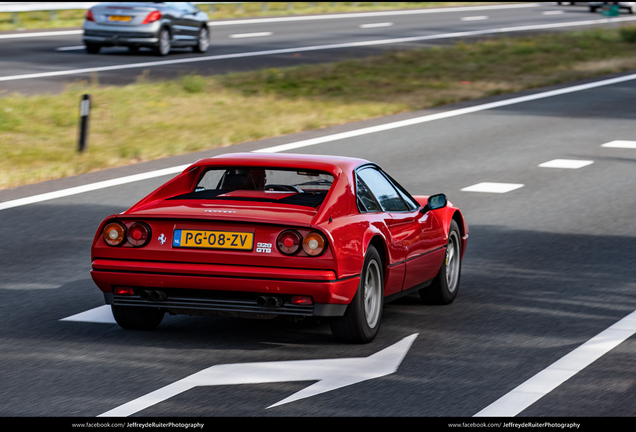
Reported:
(361, 320)
(444, 287)
(203, 41)
(93, 49)
(133, 49)
(592, 8)
(164, 45)
(137, 318)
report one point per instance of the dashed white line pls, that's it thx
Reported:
(492, 187)
(375, 25)
(556, 12)
(566, 163)
(41, 34)
(71, 48)
(475, 18)
(371, 14)
(250, 35)
(560, 371)
(620, 144)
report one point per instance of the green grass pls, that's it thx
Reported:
(149, 120)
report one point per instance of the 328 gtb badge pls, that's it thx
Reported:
(264, 247)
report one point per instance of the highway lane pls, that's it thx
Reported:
(251, 44)
(548, 267)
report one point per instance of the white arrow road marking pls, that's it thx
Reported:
(101, 314)
(331, 374)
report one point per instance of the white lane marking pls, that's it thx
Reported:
(475, 18)
(490, 187)
(557, 12)
(442, 115)
(90, 187)
(310, 48)
(326, 139)
(331, 374)
(101, 314)
(376, 25)
(71, 48)
(371, 14)
(41, 34)
(250, 35)
(620, 144)
(296, 18)
(566, 163)
(560, 371)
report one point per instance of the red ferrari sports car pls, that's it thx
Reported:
(279, 235)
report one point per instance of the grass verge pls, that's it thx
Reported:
(149, 120)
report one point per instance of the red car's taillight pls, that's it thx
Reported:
(314, 244)
(289, 242)
(89, 15)
(114, 234)
(138, 234)
(152, 17)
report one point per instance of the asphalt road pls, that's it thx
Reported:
(549, 266)
(46, 61)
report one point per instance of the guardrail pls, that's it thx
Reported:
(52, 7)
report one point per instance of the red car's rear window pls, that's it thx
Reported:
(298, 187)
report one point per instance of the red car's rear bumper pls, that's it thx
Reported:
(217, 287)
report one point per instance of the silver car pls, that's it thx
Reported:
(160, 26)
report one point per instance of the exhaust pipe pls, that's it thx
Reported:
(271, 302)
(153, 295)
(157, 295)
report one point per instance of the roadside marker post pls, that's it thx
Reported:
(85, 108)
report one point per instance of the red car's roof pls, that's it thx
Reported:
(339, 199)
(331, 164)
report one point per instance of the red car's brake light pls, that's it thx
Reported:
(138, 234)
(152, 17)
(289, 242)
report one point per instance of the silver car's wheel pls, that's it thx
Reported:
(444, 287)
(203, 40)
(164, 42)
(361, 320)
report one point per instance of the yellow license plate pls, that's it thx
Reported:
(213, 239)
(119, 18)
